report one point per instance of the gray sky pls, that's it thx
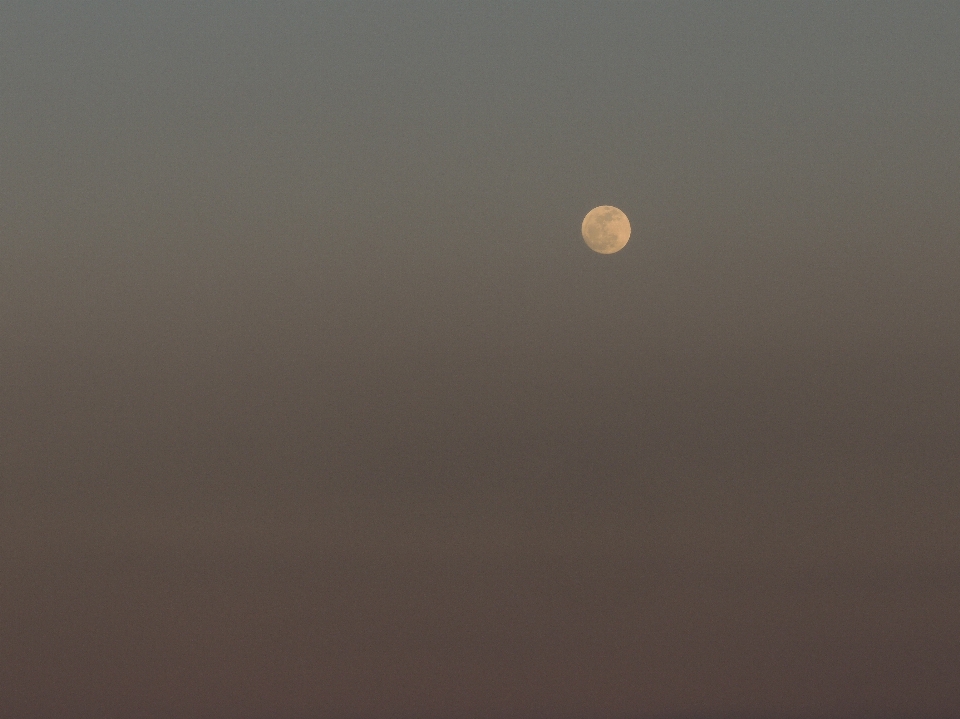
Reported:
(314, 402)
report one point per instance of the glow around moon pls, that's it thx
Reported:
(605, 229)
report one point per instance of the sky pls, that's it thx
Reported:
(314, 403)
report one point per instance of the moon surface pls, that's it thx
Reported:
(605, 229)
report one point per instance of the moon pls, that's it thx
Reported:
(605, 229)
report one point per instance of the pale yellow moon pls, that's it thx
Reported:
(605, 229)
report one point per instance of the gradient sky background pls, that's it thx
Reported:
(313, 402)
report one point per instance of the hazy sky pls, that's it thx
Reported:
(313, 402)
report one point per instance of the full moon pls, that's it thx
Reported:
(605, 229)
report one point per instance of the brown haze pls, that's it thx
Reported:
(314, 403)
